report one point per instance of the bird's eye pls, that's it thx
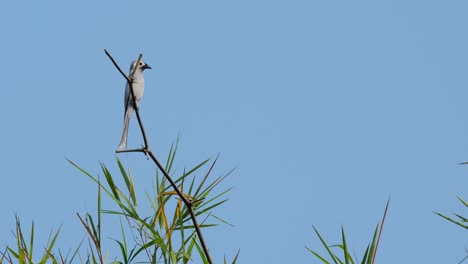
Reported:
(141, 63)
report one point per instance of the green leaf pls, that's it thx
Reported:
(76, 251)
(99, 210)
(366, 256)
(463, 219)
(123, 250)
(31, 241)
(171, 156)
(185, 175)
(318, 256)
(326, 246)
(109, 193)
(156, 241)
(50, 247)
(206, 175)
(93, 228)
(173, 257)
(345, 248)
(373, 245)
(189, 248)
(235, 258)
(201, 253)
(451, 220)
(463, 201)
(110, 182)
(128, 179)
(16, 255)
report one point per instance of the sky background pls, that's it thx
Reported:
(326, 107)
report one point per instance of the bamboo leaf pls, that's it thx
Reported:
(235, 258)
(128, 179)
(326, 246)
(345, 248)
(50, 247)
(366, 256)
(31, 241)
(451, 220)
(201, 253)
(463, 201)
(317, 255)
(373, 245)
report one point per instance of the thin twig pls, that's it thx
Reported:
(146, 149)
(380, 231)
(206, 176)
(95, 241)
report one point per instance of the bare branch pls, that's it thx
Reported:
(146, 149)
(97, 243)
(380, 231)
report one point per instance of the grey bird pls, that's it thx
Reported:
(138, 84)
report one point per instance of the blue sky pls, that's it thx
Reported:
(326, 107)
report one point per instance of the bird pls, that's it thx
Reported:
(138, 84)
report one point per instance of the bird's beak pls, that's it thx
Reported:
(147, 67)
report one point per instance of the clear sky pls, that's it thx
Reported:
(327, 107)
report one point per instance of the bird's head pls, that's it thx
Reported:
(141, 65)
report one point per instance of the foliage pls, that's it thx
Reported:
(369, 254)
(165, 234)
(24, 249)
(459, 220)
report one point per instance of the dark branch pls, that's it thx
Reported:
(148, 151)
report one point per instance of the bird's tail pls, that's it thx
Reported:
(123, 140)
